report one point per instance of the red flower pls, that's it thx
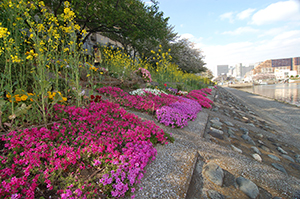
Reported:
(92, 97)
(165, 84)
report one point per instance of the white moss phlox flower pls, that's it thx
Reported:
(142, 91)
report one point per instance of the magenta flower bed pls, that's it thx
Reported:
(101, 139)
(178, 113)
(170, 110)
(200, 97)
(148, 102)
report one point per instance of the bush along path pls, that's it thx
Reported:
(98, 150)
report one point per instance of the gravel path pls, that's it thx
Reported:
(284, 117)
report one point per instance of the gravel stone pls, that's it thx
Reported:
(216, 130)
(214, 173)
(236, 149)
(281, 150)
(295, 166)
(217, 125)
(215, 195)
(256, 150)
(248, 139)
(279, 167)
(248, 187)
(216, 135)
(288, 158)
(229, 123)
(263, 147)
(245, 131)
(274, 157)
(257, 157)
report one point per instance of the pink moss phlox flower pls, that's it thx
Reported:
(200, 97)
(178, 113)
(144, 74)
(147, 102)
(96, 131)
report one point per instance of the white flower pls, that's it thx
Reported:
(142, 91)
(82, 93)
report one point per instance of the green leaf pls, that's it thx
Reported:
(56, 98)
(20, 111)
(2, 103)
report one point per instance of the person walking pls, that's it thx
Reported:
(97, 56)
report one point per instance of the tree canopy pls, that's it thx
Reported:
(140, 28)
(187, 57)
(129, 22)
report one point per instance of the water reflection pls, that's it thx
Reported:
(285, 92)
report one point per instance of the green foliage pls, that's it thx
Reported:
(118, 20)
(187, 57)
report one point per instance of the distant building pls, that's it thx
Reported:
(284, 73)
(230, 71)
(222, 69)
(238, 71)
(296, 64)
(283, 63)
(264, 67)
(246, 70)
(279, 68)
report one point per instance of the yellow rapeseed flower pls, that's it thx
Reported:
(42, 4)
(18, 99)
(15, 59)
(24, 97)
(3, 32)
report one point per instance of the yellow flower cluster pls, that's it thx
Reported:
(3, 32)
(119, 61)
(31, 54)
(93, 68)
(15, 59)
(19, 97)
(51, 95)
(23, 97)
(68, 13)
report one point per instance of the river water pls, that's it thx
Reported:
(289, 92)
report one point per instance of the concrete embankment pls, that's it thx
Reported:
(230, 151)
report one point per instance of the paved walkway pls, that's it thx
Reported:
(284, 116)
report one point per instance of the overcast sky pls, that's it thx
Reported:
(237, 31)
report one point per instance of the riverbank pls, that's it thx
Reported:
(233, 138)
(286, 93)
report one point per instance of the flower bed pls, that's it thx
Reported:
(170, 110)
(101, 139)
(200, 97)
(178, 113)
(148, 102)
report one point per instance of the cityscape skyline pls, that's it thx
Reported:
(286, 65)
